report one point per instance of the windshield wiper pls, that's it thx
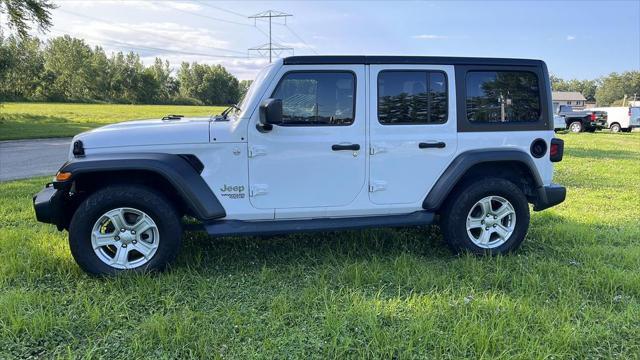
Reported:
(226, 112)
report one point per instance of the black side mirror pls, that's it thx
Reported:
(270, 114)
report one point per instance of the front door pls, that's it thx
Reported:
(412, 129)
(316, 156)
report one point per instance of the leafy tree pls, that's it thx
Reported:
(23, 65)
(615, 86)
(211, 84)
(70, 60)
(21, 13)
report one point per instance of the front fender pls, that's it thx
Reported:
(179, 171)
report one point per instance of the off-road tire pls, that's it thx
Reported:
(139, 197)
(453, 217)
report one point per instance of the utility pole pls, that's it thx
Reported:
(270, 47)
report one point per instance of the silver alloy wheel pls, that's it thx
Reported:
(125, 238)
(615, 128)
(575, 127)
(491, 221)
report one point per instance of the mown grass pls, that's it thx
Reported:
(46, 120)
(572, 291)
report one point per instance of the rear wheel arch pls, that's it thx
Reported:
(512, 165)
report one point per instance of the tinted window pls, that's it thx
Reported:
(317, 98)
(502, 96)
(412, 97)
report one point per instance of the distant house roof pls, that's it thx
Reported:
(567, 96)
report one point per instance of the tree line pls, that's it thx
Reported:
(605, 91)
(67, 69)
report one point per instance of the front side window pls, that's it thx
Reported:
(317, 98)
(502, 97)
(412, 97)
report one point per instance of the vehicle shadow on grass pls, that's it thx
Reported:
(549, 235)
(601, 154)
(31, 126)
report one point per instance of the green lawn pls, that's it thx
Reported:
(45, 120)
(572, 291)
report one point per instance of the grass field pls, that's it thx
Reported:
(572, 291)
(46, 120)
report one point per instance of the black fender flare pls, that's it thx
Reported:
(463, 162)
(181, 171)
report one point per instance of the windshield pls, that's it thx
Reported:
(254, 85)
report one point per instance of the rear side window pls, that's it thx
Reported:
(502, 97)
(412, 97)
(317, 98)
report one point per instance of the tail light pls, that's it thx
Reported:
(593, 116)
(556, 150)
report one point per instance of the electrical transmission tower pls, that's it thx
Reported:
(270, 48)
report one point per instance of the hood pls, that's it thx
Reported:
(148, 132)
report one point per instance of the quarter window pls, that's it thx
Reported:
(412, 97)
(502, 97)
(317, 98)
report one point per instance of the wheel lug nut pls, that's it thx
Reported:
(124, 245)
(117, 238)
(135, 241)
(495, 217)
(122, 230)
(482, 222)
(133, 232)
(486, 228)
(494, 225)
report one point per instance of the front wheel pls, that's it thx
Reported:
(576, 127)
(489, 216)
(124, 228)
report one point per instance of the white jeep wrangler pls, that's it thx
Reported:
(320, 143)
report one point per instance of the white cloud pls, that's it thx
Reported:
(430, 37)
(571, 37)
(138, 4)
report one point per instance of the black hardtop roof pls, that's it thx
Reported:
(431, 60)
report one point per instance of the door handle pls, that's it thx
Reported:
(432, 145)
(341, 147)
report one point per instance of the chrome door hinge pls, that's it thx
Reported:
(258, 189)
(377, 185)
(257, 151)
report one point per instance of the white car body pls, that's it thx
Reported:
(619, 115)
(559, 122)
(292, 173)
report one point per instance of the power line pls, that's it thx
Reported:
(269, 47)
(222, 9)
(126, 45)
(212, 18)
(300, 38)
(143, 31)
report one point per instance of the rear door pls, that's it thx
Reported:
(412, 130)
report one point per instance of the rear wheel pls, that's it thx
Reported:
(615, 127)
(489, 216)
(576, 127)
(124, 228)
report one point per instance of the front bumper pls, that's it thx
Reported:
(49, 206)
(549, 196)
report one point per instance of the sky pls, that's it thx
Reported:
(577, 39)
